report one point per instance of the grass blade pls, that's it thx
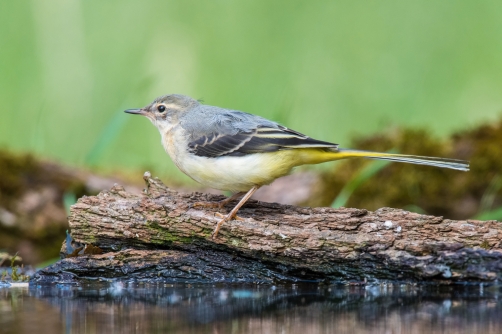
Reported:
(364, 174)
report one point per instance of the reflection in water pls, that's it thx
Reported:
(142, 308)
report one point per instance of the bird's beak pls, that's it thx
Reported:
(136, 111)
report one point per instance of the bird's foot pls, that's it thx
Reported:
(224, 218)
(233, 213)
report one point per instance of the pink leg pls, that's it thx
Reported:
(233, 213)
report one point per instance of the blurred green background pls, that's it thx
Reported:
(330, 69)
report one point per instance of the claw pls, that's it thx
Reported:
(220, 223)
(224, 218)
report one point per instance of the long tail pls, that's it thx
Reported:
(412, 159)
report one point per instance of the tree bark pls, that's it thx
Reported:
(160, 236)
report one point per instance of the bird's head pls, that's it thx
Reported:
(164, 111)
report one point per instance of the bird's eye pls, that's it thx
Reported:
(161, 108)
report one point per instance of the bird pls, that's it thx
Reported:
(235, 151)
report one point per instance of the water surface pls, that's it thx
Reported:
(184, 308)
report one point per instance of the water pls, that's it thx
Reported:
(166, 308)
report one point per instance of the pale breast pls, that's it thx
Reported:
(175, 152)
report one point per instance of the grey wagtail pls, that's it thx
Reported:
(233, 150)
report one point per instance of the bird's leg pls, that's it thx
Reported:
(219, 204)
(233, 213)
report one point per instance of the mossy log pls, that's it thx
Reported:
(160, 235)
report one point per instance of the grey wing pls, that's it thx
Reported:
(234, 133)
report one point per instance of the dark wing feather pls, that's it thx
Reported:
(215, 145)
(259, 140)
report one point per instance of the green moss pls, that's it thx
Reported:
(236, 242)
(90, 239)
(166, 237)
(485, 245)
